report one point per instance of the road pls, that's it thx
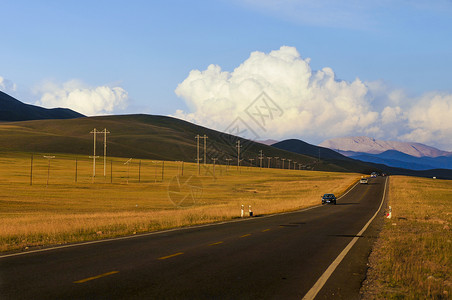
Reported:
(269, 257)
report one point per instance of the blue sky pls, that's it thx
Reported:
(116, 57)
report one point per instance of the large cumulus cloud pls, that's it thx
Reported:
(87, 100)
(315, 104)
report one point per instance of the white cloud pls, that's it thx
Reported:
(7, 86)
(430, 120)
(86, 100)
(315, 104)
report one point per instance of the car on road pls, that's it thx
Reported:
(373, 175)
(328, 198)
(363, 181)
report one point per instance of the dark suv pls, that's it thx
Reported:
(329, 198)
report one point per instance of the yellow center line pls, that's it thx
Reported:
(172, 255)
(265, 230)
(96, 277)
(245, 235)
(217, 243)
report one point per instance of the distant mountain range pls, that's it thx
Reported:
(385, 165)
(413, 156)
(350, 145)
(12, 109)
(268, 142)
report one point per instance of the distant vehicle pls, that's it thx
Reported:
(363, 181)
(373, 175)
(328, 198)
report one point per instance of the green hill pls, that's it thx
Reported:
(147, 137)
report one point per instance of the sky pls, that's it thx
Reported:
(311, 70)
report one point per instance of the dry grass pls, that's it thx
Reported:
(413, 257)
(66, 211)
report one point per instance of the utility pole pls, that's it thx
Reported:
(94, 132)
(48, 167)
(268, 165)
(261, 156)
(251, 161)
(197, 152)
(105, 149)
(94, 166)
(283, 159)
(238, 153)
(205, 149)
(229, 162)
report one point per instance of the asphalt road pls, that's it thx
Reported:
(273, 257)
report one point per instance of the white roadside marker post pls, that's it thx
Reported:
(241, 212)
(250, 211)
(389, 215)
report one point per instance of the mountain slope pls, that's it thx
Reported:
(12, 109)
(373, 146)
(324, 154)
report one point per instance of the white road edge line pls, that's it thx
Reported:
(164, 231)
(322, 280)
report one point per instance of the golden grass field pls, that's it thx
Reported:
(413, 257)
(135, 199)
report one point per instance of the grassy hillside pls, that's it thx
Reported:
(146, 137)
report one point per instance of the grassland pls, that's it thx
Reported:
(63, 204)
(413, 257)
